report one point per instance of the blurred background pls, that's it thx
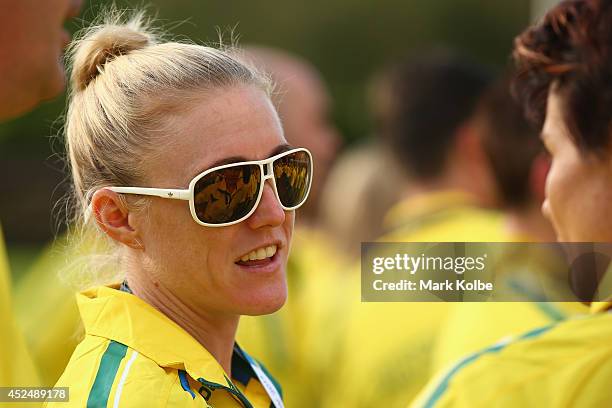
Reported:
(348, 41)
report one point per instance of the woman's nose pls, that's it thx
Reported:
(269, 211)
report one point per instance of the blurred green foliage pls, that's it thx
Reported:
(347, 40)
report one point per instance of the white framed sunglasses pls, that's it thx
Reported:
(229, 194)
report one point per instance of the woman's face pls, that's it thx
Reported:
(578, 187)
(197, 264)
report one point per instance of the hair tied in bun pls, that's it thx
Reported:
(102, 44)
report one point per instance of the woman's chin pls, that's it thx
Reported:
(267, 303)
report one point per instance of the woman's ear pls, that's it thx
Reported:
(112, 216)
(537, 176)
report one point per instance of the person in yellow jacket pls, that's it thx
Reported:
(386, 354)
(30, 73)
(178, 157)
(563, 60)
(520, 165)
(284, 340)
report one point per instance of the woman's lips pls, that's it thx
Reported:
(261, 265)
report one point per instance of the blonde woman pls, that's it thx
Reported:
(179, 157)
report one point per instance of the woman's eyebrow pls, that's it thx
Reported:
(220, 162)
(228, 160)
(237, 159)
(280, 149)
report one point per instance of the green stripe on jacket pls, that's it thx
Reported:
(109, 365)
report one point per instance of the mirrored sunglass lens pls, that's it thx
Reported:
(292, 176)
(228, 194)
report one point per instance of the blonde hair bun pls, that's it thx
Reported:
(103, 43)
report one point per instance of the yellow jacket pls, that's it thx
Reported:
(568, 364)
(386, 357)
(472, 326)
(463, 328)
(16, 366)
(445, 216)
(134, 356)
(51, 340)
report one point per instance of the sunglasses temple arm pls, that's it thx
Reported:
(156, 192)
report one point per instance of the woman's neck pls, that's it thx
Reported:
(213, 331)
